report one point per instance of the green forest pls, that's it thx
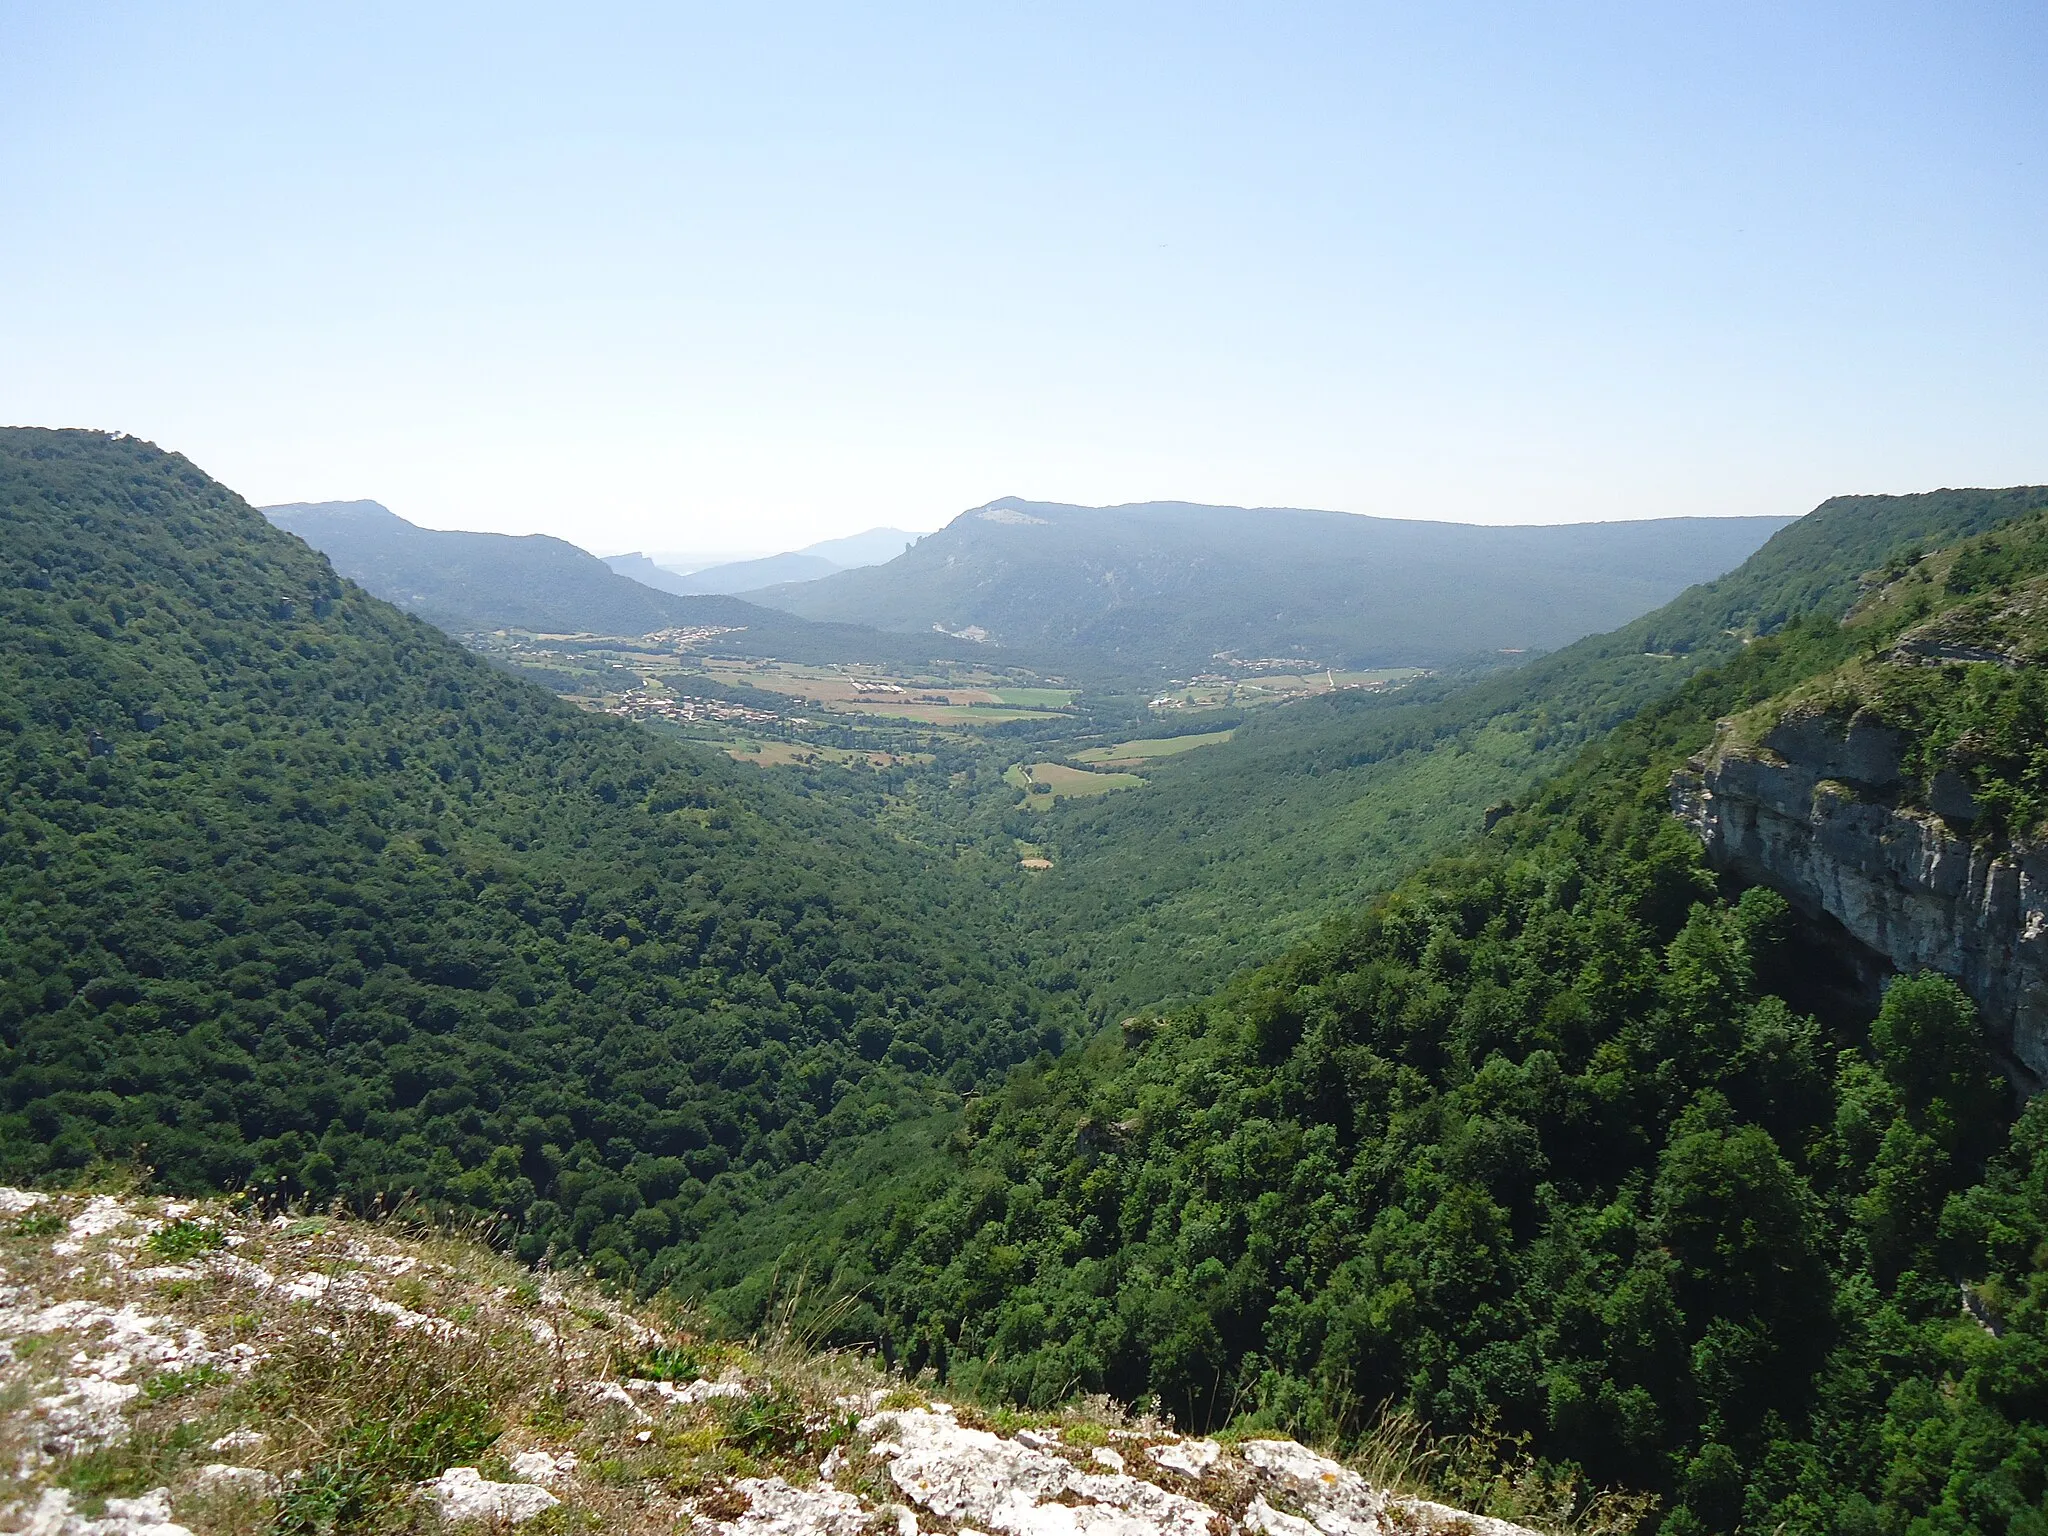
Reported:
(1561, 1140)
(302, 897)
(1521, 1122)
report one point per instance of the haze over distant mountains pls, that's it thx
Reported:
(1172, 584)
(483, 582)
(807, 564)
(1138, 590)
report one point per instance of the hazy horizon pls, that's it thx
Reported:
(688, 561)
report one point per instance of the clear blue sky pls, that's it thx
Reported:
(694, 277)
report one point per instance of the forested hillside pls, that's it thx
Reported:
(1566, 1143)
(1236, 850)
(1164, 587)
(296, 894)
(484, 581)
(480, 582)
(1563, 1140)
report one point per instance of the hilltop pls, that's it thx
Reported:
(487, 581)
(175, 1368)
(1174, 586)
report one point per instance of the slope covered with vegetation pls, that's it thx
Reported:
(471, 583)
(1951, 656)
(1234, 851)
(1563, 1140)
(1165, 586)
(297, 894)
(329, 1374)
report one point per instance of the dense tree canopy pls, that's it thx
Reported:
(297, 894)
(1564, 1137)
(1561, 1136)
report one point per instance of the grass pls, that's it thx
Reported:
(1066, 783)
(783, 754)
(1492, 1473)
(1036, 698)
(176, 1241)
(1151, 747)
(356, 1408)
(381, 1408)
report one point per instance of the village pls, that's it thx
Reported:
(682, 709)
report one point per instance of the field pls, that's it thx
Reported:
(1047, 782)
(1150, 748)
(1275, 687)
(1036, 698)
(932, 699)
(780, 754)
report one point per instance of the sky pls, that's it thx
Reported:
(734, 278)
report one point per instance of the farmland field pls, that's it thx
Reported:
(867, 691)
(1072, 783)
(779, 754)
(1151, 747)
(1276, 687)
(1036, 698)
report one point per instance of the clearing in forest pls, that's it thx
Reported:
(1055, 781)
(1151, 747)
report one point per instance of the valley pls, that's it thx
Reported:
(1035, 770)
(1322, 1046)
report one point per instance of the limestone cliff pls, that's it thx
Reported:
(1820, 810)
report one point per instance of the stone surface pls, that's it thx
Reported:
(543, 1466)
(463, 1493)
(1190, 1458)
(147, 1514)
(220, 1474)
(774, 1508)
(1903, 883)
(976, 1479)
(77, 1345)
(689, 1393)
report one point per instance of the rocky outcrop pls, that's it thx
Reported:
(102, 1340)
(1813, 811)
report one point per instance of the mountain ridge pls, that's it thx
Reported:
(1179, 584)
(479, 583)
(1232, 852)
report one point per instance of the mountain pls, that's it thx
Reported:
(469, 583)
(1236, 850)
(641, 568)
(735, 576)
(1171, 585)
(1592, 1140)
(876, 546)
(806, 564)
(487, 581)
(297, 895)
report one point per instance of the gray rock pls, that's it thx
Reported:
(463, 1493)
(1901, 882)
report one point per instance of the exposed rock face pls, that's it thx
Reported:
(1812, 812)
(78, 1355)
(1035, 1485)
(463, 1493)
